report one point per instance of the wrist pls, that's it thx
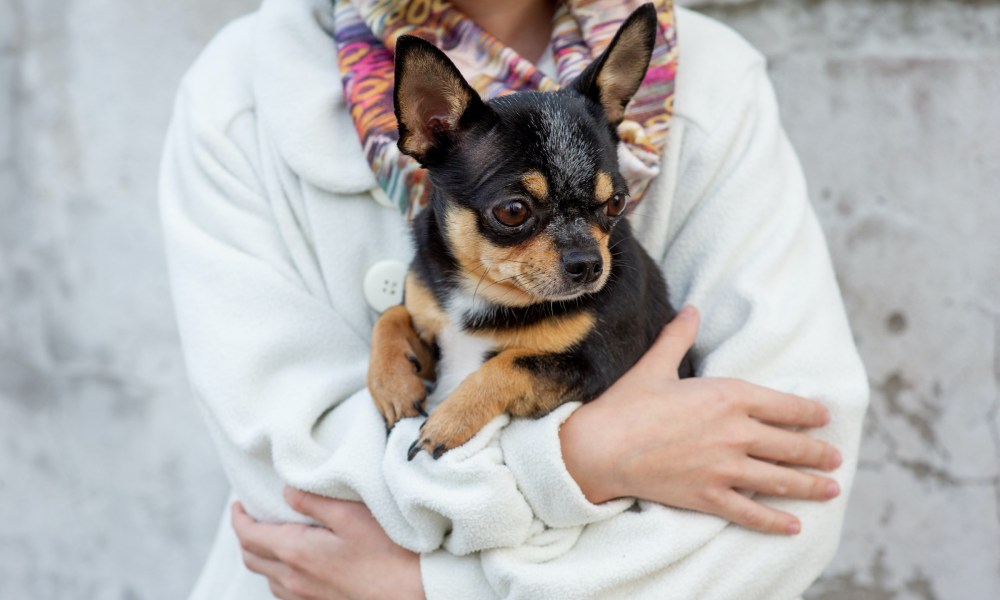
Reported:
(588, 455)
(411, 583)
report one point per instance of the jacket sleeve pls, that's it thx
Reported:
(265, 354)
(745, 247)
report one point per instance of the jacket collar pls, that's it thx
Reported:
(300, 101)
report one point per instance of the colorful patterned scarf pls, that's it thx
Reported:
(366, 33)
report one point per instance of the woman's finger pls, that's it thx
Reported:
(335, 515)
(246, 529)
(272, 569)
(772, 406)
(266, 540)
(789, 447)
(674, 341)
(280, 576)
(741, 510)
(281, 592)
(775, 480)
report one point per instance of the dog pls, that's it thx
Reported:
(527, 284)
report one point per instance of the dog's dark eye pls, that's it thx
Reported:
(512, 213)
(616, 205)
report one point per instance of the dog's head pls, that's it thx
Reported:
(527, 186)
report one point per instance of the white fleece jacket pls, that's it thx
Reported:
(270, 227)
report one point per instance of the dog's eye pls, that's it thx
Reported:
(512, 213)
(616, 205)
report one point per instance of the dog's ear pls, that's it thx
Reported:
(433, 102)
(614, 77)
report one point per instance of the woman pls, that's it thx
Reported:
(271, 223)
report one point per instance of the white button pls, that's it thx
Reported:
(383, 286)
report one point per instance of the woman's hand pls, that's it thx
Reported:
(349, 557)
(693, 443)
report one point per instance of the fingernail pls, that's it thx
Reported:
(826, 418)
(687, 312)
(832, 490)
(836, 460)
(794, 528)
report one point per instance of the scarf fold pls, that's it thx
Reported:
(365, 32)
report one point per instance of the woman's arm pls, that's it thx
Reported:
(709, 439)
(349, 556)
(684, 456)
(747, 249)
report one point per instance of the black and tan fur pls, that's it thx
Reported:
(565, 301)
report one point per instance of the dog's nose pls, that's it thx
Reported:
(583, 267)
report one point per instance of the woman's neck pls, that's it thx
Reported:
(524, 25)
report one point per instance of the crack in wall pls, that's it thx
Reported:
(874, 585)
(922, 470)
(885, 28)
(13, 50)
(993, 417)
(12, 177)
(892, 389)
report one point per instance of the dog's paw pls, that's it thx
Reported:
(447, 428)
(399, 392)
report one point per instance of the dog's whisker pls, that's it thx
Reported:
(505, 279)
(613, 246)
(479, 283)
(511, 260)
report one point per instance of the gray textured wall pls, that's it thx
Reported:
(108, 487)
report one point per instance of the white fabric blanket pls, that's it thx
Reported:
(270, 228)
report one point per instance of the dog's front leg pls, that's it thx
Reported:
(504, 383)
(400, 362)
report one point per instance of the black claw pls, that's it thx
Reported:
(418, 405)
(438, 451)
(414, 449)
(416, 363)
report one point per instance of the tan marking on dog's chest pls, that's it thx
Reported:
(499, 386)
(550, 336)
(503, 386)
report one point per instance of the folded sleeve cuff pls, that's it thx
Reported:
(449, 577)
(532, 451)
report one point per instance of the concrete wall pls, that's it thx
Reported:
(108, 485)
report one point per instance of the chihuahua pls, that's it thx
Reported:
(528, 288)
